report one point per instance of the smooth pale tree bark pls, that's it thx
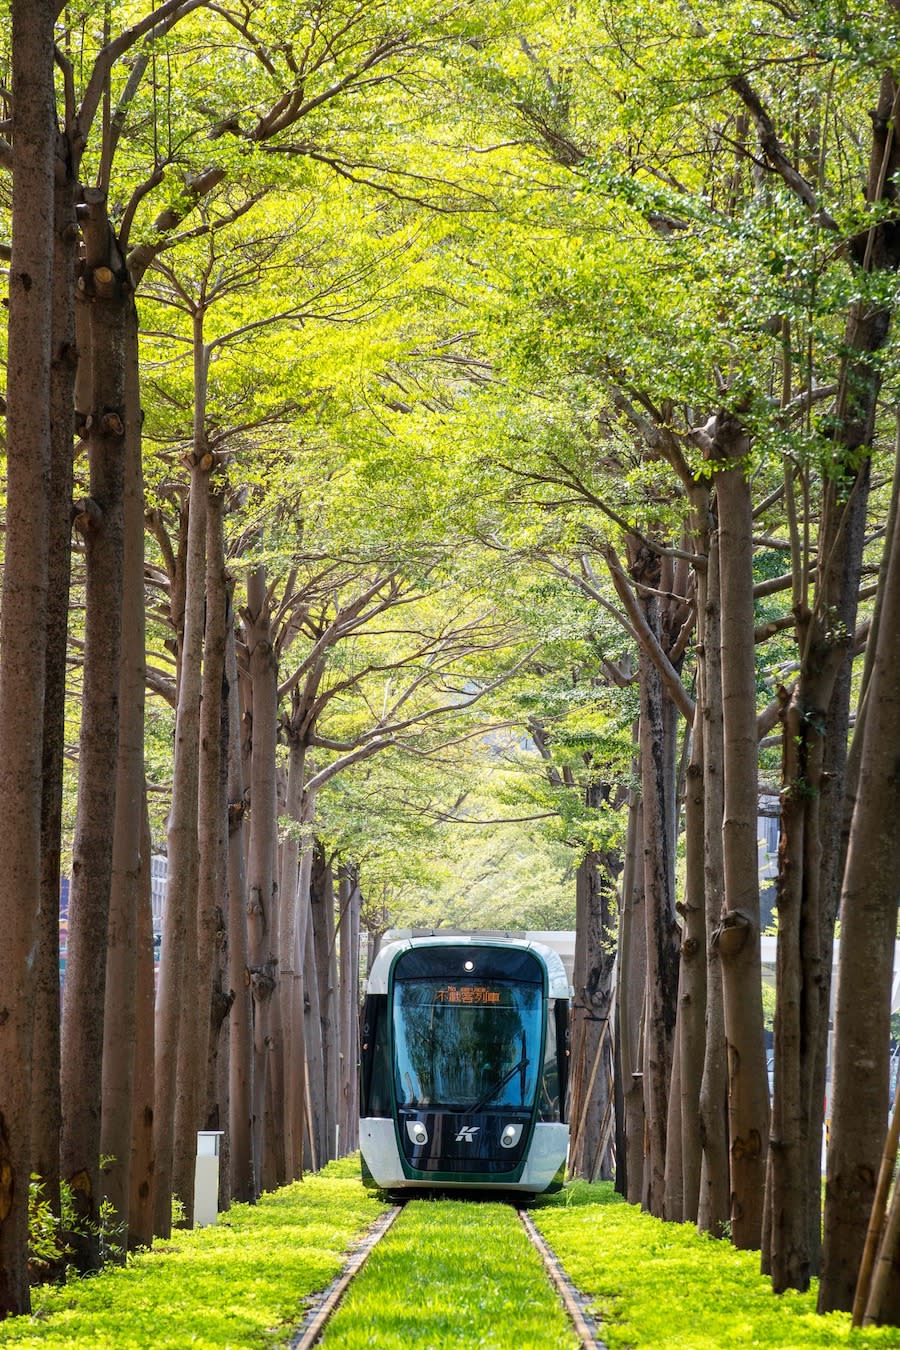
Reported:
(868, 929)
(24, 613)
(714, 1205)
(240, 1046)
(105, 290)
(130, 862)
(176, 970)
(737, 936)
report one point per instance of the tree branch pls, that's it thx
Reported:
(775, 155)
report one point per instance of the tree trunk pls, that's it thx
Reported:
(240, 1049)
(630, 1002)
(738, 934)
(348, 938)
(103, 287)
(199, 837)
(323, 932)
(868, 928)
(129, 860)
(262, 927)
(46, 1118)
(714, 1206)
(692, 978)
(315, 1059)
(592, 1045)
(174, 1173)
(212, 1003)
(657, 791)
(674, 1192)
(140, 1208)
(23, 625)
(294, 890)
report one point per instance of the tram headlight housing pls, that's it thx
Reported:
(511, 1135)
(417, 1132)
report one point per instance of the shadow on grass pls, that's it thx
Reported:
(579, 1193)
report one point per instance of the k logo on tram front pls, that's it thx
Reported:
(467, 1134)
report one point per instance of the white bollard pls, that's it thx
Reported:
(206, 1178)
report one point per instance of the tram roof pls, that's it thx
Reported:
(397, 940)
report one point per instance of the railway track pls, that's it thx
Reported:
(573, 1302)
(310, 1332)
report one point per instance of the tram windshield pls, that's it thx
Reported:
(466, 1044)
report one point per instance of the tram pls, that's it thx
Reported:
(464, 1066)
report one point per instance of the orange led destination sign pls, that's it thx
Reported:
(467, 993)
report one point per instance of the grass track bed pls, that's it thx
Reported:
(237, 1286)
(452, 1274)
(448, 1274)
(661, 1286)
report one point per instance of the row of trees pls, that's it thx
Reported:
(426, 434)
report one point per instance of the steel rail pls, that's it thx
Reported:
(312, 1328)
(582, 1322)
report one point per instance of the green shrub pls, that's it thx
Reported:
(48, 1246)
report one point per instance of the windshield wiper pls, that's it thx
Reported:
(501, 1082)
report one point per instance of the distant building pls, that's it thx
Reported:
(159, 872)
(159, 868)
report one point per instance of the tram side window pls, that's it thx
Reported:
(548, 1104)
(554, 1079)
(563, 1019)
(375, 1067)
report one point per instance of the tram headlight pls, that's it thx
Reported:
(417, 1132)
(511, 1135)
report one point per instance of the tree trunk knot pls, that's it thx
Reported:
(262, 979)
(7, 1187)
(750, 1147)
(81, 1182)
(733, 933)
(112, 422)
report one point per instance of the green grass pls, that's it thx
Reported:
(450, 1274)
(661, 1286)
(238, 1285)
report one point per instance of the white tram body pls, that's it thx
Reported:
(464, 1066)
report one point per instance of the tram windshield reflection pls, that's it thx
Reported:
(466, 1043)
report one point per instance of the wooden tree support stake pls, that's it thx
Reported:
(876, 1222)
